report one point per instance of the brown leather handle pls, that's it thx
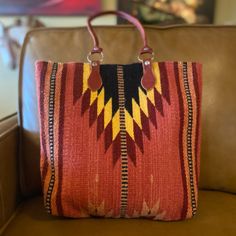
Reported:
(131, 19)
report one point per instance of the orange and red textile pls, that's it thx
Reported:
(120, 151)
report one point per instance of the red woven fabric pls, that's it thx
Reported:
(120, 151)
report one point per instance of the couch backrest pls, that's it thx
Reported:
(214, 47)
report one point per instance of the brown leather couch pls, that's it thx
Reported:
(21, 206)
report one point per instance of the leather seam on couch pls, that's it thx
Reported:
(9, 161)
(12, 217)
(7, 125)
(8, 117)
(5, 134)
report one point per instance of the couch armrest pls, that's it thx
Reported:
(9, 176)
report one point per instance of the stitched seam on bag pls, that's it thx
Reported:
(189, 135)
(123, 142)
(51, 136)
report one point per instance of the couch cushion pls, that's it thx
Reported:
(214, 47)
(216, 216)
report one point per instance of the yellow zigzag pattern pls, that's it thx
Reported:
(115, 125)
(143, 100)
(101, 106)
(156, 72)
(86, 73)
(136, 116)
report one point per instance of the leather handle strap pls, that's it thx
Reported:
(131, 19)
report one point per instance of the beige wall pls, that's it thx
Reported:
(225, 12)
(71, 21)
(8, 91)
(8, 78)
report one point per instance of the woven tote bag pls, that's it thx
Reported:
(120, 140)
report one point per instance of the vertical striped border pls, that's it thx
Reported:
(78, 82)
(60, 135)
(51, 135)
(197, 84)
(165, 90)
(123, 142)
(181, 148)
(189, 136)
(186, 135)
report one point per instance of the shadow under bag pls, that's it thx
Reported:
(120, 140)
